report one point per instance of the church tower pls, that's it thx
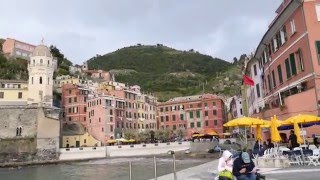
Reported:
(41, 68)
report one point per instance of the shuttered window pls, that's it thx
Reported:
(293, 65)
(280, 74)
(288, 71)
(318, 50)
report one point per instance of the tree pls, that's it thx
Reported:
(130, 134)
(181, 132)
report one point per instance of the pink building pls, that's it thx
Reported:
(102, 112)
(289, 56)
(15, 48)
(198, 113)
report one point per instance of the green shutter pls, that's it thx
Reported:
(288, 71)
(280, 74)
(293, 64)
(318, 50)
(191, 115)
(181, 116)
(198, 114)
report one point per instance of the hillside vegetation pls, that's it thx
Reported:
(165, 71)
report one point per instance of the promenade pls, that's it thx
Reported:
(206, 172)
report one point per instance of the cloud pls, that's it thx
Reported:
(82, 29)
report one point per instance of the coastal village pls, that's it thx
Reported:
(61, 117)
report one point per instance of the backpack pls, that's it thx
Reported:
(225, 175)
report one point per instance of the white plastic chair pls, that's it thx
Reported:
(312, 147)
(314, 159)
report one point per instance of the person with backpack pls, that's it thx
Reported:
(225, 166)
(244, 168)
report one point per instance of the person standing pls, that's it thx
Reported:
(244, 168)
(292, 140)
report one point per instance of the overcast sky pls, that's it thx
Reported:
(82, 28)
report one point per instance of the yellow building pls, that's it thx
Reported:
(61, 80)
(81, 140)
(13, 92)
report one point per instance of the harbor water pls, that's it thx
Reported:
(102, 169)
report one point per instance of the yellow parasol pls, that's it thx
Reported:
(301, 118)
(211, 132)
(244, 121)
(258, 133)
(297, 132)
(275, 135)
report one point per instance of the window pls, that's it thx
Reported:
(293, 26)
(318, 50)
(19, 95)
(214, 112)
(280, 74)
(255, 69)
(181, 116)
(174, 127)
(70, 119)
(70, 100)
(111, 128)
(191, 106)
(102, 129)
(31, 80)
(299, 57)
(75, 99)
(84, 141)
(205, 104)
(199, 105)
(207, 123)
(161, 109)
(318, 11)
(48, 81)
(288, 71)
(99, 119)
(215, 122)
(213, 103)
(274, 79)
(269, 82)
(69, 91)
(167, 109)
(69, 110)
(240, 111)
(84, 118)
(167, 118)
(191, 115)
(161, 118)
(192, 125)
(1, 95)
(293, 65)
(41, 61)
(283, 35)
(258, 90)
(40, 80)
(48, 62)
(198, 114)
(111, 112)
(173, 117)
(206, 113)
(198, 124)
(111, 119)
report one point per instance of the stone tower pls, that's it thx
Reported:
(41, 68)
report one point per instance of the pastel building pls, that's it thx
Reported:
(102, 112)
(236, 109)
(15, 48)
(198, 113)
(74, 104)
(254, 94)
(13, 92)
(289, 55)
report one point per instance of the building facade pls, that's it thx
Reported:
(254, 94)
(74, 104)
(13, 92)
(192, 113)
(289, 54)
(236, 109)
(15, 48)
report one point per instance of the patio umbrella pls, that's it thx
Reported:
(275, 135)
(301, 118)
(297, 133)
(258, 133)
(211, 132)
(244, 121)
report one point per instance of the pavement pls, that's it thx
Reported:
(207, 172)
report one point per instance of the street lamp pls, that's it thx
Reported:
(174, 163)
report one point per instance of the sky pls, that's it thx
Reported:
(81, 28)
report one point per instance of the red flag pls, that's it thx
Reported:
(247, 80)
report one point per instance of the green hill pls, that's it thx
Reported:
(164, 71)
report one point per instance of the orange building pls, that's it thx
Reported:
(15, 48)
(198, 113)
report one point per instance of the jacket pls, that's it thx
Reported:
(224, 163)
(238, 164)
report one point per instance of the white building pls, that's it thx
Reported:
(254, 93)
(41, 67)
(236, 109)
